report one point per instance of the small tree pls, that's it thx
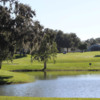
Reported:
(47, 50)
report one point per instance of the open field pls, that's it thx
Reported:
(31, 98)
(69, 61)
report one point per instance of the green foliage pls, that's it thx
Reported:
(67, 40)
(15, 27)
(82, 46)
(91, 41)
(75, 41)
(47, 48)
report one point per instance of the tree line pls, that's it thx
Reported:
(65, 40)
(93, 44)
(92, 41)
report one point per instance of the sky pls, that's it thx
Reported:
(78, 16)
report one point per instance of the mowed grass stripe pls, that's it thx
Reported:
(33, 98)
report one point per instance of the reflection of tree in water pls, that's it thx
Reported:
(48, 76)
(45, 75)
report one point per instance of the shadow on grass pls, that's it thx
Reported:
(4, 80)
(97, 56)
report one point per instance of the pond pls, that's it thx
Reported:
(81, 86)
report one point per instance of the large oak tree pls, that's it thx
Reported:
(15, 21)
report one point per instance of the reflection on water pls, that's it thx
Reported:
(60, 86)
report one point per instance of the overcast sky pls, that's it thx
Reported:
(79, 16)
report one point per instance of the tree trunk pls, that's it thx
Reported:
(0, 64)
(31, 59)
(20, 53)
(67, 50)
(44, 66)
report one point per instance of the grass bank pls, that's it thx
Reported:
(31, 98)
(7, 77)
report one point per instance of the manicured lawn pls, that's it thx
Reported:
(31, 98)
(7, 77)
(69, 61)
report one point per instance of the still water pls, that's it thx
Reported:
(61, 86)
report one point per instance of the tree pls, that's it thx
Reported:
(75, 41)
(6, 46)
(15, 22)
(59, 39)
(67, 41)
(24, 26)
(90, 42)
(82, 46)
(35, 38)
(47, 49)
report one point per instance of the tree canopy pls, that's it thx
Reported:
(65, 40)
(16, 27)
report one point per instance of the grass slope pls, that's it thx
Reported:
(69, 61)
(7, 77)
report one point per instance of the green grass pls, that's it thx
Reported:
(69, 61)
(7, 77)
(32, 98)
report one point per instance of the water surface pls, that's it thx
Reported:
(87, 86)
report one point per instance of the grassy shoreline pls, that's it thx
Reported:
(7, 77)
(38, 98)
